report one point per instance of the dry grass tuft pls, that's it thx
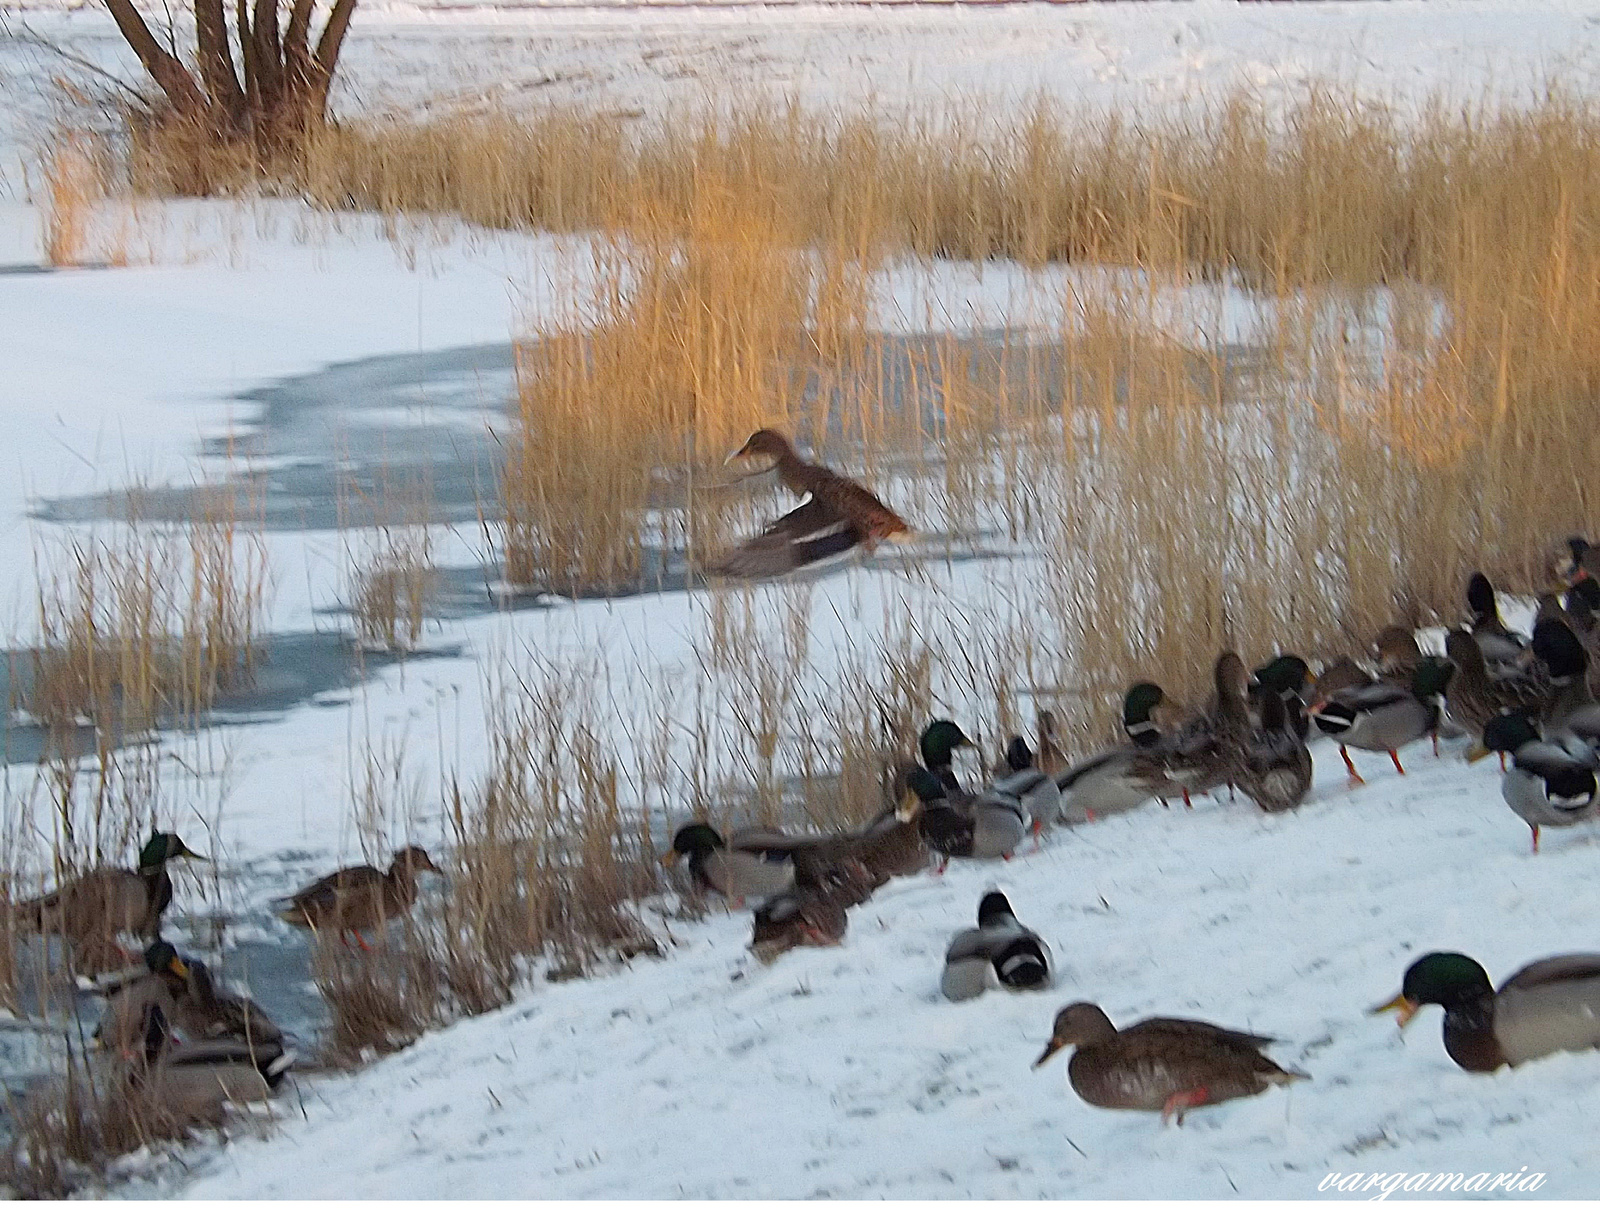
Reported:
(75, 179)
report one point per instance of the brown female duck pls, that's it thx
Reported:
(1166, 1064)
(359, 898)
(837, 515)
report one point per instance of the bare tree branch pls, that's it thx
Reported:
(164, 68)
(328, 47)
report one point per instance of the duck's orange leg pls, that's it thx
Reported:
(1184, 1100)
(1355, 778)
(1395, 757)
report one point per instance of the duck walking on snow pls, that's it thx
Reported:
(1001, 951)
(1549, 1006)
(1385, 717)
(1550, 783)
(1166, 1064)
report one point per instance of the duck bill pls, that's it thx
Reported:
(1477, 752)
(1403, 1008)
(183, 851)
(1050, 1048)
(909, 807)
(178, 968)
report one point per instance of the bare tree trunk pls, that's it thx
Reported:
(269, 55)
(216, 61)
(164, 68)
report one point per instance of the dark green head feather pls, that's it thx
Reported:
(161, 849)
(940, 741)
(697, 838)
(1431, 677)
(1286, 674)
(1507, 733)
(1446, 978)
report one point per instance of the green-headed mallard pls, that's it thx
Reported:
(837, 515)
(1385, 717)
(1549, 783)
(93, 909)
(1581, 561)
(714, 865)
(982, 828)
(1275, 767)
(1474, 697)
(937, 746)
(801, 916)
(1571, 706)
(1290, 678)
(186, 992)
(1499, 644)
(1109, 782)
(194, 1082)
(359, 899)
(1001, 952)
(1166, 1064)
(1549, 1006)
(1206, 752)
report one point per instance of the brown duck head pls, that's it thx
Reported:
(764, 449)
(411, 860)
(1078, 1025)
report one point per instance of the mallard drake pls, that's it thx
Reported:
(1001, 950)
(1550, 783)
(93, 909)
(196, 1081)
(1206, 752)
(1549, 1006)
(801, 916)
(1385, 717)
(837, 515)
(1288, 677)
(985, 827)
(1582, 562)
(1571, 706)
(1149, 716)
(832, 863)
(734, 873)
(1029, 787)
(937, 746)
(1474, 698)
(1166, 1064)
(358, 899)
(187, 994)
(1108, 783)
(1275, 768)
(1498, 643)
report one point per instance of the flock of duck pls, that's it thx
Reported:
(1531, 699)
(177, 1038)
(172, 1039)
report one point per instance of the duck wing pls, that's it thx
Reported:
(1558, 969)
(850, 502)
(327, 891)
(1551, 1005)
(808, 534)
(1198, 1032)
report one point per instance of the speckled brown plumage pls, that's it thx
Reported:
(838, 515)
(1166, 1064)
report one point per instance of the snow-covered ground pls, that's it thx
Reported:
(832, 1072)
